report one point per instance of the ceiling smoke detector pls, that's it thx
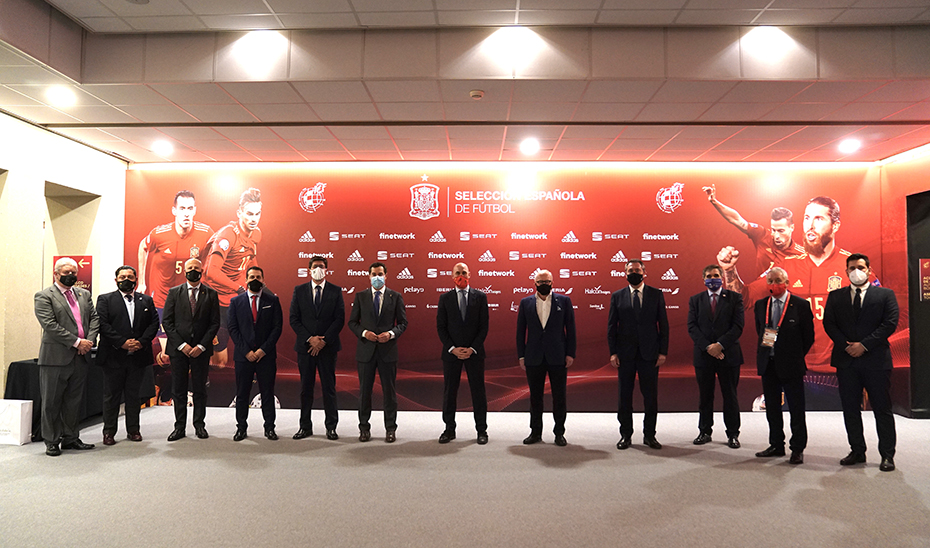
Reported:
(476, 94)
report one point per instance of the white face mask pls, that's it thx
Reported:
(858, 277)
(317, 273)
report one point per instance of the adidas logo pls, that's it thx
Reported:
(670, 275)
(437, 237)
(307, 238)
(619, 257)
(404, 274)
(357, 257)
(570, 238)
(798, 284)
(168, 251)
(486, 257)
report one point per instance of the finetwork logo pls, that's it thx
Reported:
(404, 274)
(617, 274)
(619, 257)
(437, 237)
(486, 257)
(396, 236)
(669, 275)
(307, 238)
(570, 238)
(355, 256)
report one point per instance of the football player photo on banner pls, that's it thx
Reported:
(581, 222)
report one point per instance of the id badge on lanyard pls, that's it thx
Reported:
(770, 335)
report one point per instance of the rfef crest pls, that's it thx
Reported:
(669, 199)
(424, 201)
(311, 199)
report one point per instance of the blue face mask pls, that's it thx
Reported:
(377, 282)
(713, 283)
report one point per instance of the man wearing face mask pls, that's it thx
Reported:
(128, 324)
(255, 323)
(317, 316)
(637, 335)
(462, 323)
(715, 323)
(546, 346)
(191, 319)
(69, 329)
(785, 326)
(859, 318)
(378, 318)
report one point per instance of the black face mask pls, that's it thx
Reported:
(635, 278)
(193, 276)
(255, 286)
(544, 289)
(126, 285)
(68, 280)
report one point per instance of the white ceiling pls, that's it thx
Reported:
(384, 115)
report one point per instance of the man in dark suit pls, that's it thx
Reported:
(462, 323)
(546, 345)
(191, 319)
(859, 318)
(378, 318)
(317, 317)
(128, 324)
(69, 329)
(637, 335)
(255, 322)
(785, 326)
(715, 323)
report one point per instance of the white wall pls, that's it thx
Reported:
(31, 157)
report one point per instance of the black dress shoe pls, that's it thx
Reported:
(482, 438)
(797, 457)
(772, 451)
(447, 436)
(240, 434)
(560, 440)
(364, 435)
(887, 464)
(624, 443)
(652, 443)
(77, 445)
(852, 458)
(702, 439)
(733, 443)
(52, 450)
(270, 434)
(201, 432)
(390, 437)
(531, 439)
(331, 434)
(303, 433)
(176, 434)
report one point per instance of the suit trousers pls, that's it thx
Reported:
(264, 370)
(877, 383)
(793, 387)
(536, 379)
(387, 372)
(648, 386)
(121, 383)
(452, 377)
(729, 378)
(308, 366)
(61, 389)
(197, 368)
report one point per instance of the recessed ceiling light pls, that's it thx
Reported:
(259, 50)
(162, 148)
(513, 48)
(848, 146)
(767, 43)
(529, 146)
(140, 2)
(61, 96)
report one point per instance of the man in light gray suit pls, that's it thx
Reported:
(69, 329)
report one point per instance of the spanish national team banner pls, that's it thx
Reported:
(582, 222)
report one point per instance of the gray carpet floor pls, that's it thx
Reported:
(416, 492)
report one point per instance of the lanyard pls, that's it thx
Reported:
(768, 311)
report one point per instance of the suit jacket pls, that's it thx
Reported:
(393, 318)
(115, 330)
(878, 319)
(551, 344)
(59, 328)
(725, 327)
(328, 321)
(454, 331)
(795, 338)
(263, 333)
(182, 328)
(626, 335)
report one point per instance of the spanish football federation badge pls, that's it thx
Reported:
(424, 201)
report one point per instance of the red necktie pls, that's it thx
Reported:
(713, 303)
(254, 308)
